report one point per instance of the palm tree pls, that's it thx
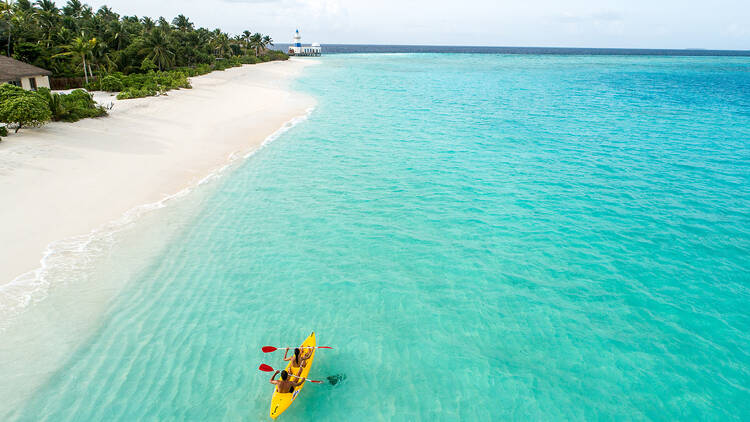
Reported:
(148, 24)
(107, 14)
(47, 6)
(267, 40)
(182, 23)
(24, 5)
(86, 12)
(63, 36)
(164, 24)
(24, 20)
(6, 9)
(47, 18)
(82, 48)
(115, 33)
(102, 59)
(220, 43)
(157, 48)
(73, 8)
(256, 42)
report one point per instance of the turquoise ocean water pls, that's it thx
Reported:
(483, 237)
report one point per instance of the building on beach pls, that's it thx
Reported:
(22, 74)
(297, 49)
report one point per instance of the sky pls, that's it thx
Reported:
(716, 24)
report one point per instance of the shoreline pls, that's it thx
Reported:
(61, 178)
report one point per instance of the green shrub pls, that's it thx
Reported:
(135, 93)
(82, 95)
(94, 85)
(25, 110)
(220, 65)
(202, 69)
(43, 92)
(198, 70)
(72, 107)
(148, 84)
(53, 102)
(8, 91)
(111, 83)
(78, 105)
(3, 131)
(77, 114)
(56, 107)
(148, 64)
(279, 55)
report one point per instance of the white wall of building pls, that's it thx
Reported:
(41, 82)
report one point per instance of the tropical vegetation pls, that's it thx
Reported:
(78, 41)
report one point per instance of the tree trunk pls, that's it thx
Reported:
(18, 128)
(85, 75)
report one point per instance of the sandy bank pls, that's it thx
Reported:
(66, 179)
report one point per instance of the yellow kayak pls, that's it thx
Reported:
(281, 401)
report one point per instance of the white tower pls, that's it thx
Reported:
(296, 49)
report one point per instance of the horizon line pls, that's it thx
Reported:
(540, 47)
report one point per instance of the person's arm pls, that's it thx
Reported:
(300, 369)
(272, 380)
(300, 382)
(308, 354)
(286, 359)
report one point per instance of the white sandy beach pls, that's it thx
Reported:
(66, 179)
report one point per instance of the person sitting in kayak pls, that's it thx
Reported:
(285, 385)
(298, 361)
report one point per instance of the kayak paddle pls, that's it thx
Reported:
(269, 349)
(266, 368)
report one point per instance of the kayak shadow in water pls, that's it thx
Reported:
(336, 380)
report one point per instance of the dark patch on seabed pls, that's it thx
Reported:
(336, 379)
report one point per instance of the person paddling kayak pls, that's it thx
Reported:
(298, 361)
(285, 385)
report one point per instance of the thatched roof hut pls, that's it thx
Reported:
(23, 74)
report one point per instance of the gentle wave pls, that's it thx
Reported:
(62, 260)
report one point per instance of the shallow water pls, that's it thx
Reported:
(480, 237)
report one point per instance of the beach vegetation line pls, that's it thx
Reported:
(76, 41)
